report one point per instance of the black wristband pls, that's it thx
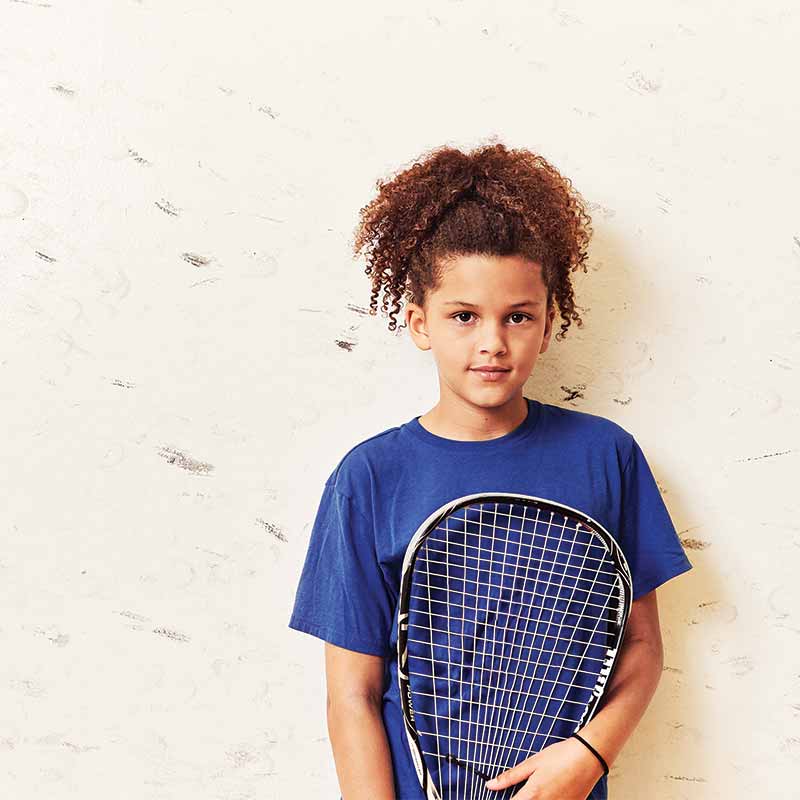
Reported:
(602, 761)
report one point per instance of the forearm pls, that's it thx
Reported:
(360, 750)
(625, 699)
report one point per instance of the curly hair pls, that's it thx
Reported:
(491, 201)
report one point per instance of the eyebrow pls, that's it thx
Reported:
(473, 305)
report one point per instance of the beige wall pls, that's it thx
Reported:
(179, 184)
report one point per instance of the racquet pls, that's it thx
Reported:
(511, 614)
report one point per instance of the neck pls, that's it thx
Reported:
(455, 417)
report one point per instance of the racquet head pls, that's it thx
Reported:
(511, 614)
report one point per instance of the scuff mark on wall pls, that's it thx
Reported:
(137, 157)
(184, 461)
(695, 544)
(273, 529)
(205, 280)
(58, 639)
(26, 687)
(741, 665)
(598, 209)
(792, 743)
(766, 455)
(134, 616)
(178, 637)
(80, 748)
(167, 207)
(213, 553)
(241, 757)
(573, 392)
(196, 260)
(638, 83)
(717, 610)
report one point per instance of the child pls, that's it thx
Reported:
(481, 245)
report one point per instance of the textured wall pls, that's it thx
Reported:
(185, 355)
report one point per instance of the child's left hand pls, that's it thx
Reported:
(564, 770)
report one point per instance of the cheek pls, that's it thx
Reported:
(452, 332)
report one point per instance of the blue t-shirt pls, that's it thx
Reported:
(384, 487)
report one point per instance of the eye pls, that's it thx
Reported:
(457, 316)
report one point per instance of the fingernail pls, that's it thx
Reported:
(492, 783)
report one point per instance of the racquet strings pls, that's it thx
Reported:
(507, 635)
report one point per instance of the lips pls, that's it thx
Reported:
(491, 374)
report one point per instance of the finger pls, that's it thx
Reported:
(512, 776)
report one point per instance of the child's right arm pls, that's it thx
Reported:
(355, 724)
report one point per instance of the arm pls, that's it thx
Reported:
(567, 769)
(355, 724)
(632, 685)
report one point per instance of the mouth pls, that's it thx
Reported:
(491, 374)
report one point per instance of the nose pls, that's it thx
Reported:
(492, 339)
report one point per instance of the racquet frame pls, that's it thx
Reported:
(623, 587)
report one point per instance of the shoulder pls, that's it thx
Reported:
(359, 468)
(593, 430)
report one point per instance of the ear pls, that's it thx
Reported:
(417, 327)
(548, 328)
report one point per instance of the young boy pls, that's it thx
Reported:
(482, 245)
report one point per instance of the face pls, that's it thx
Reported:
(487, 311)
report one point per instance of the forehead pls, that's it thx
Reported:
(485, 279)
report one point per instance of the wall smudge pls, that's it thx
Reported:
(573, 392)
(273, 529)
(184, 461)
(178, 637)
(136, 157)
(167, 207)
(196, 260)
(133, 616)
(766, 455)
(695, 544)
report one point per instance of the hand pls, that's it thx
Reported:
(565, 770)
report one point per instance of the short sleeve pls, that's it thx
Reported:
(647, 535)
(341, 596)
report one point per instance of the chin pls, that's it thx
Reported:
(491, 396)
